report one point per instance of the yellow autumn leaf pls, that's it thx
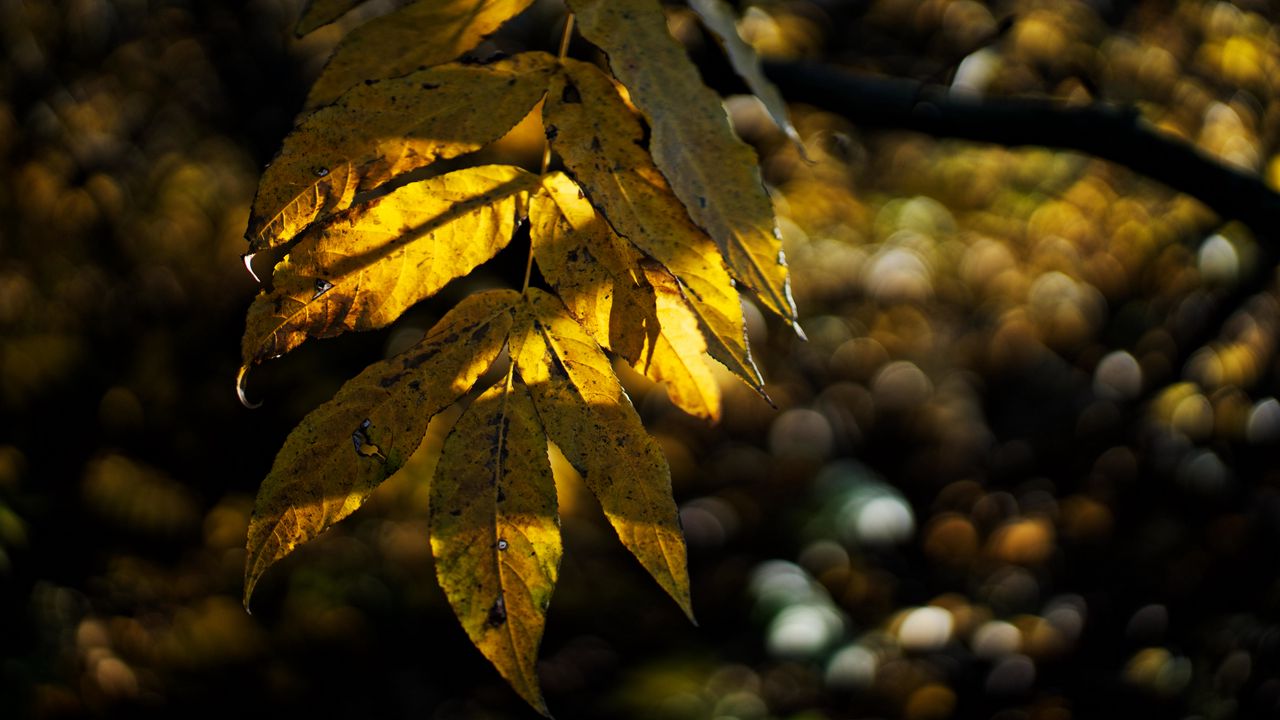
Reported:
(369, 264)
(630, 307)
(595, 273)
(415, 37)
(319, 13)
(598, 138)
(720, 19)
(713, 173)
(495, 531)
(676, 357)
(588, 415)
(343, 449)
(383, 129)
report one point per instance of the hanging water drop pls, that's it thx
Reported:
(240, 378)
(321, 171)
(322, 286)
(248, 265)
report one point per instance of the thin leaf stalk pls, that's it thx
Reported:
(565, 38)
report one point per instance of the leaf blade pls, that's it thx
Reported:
(495, 531)
(319, 13)
(676, 356)
(588, 415)
(421, 34)
(371, 263)
(720, 184)
(332, 461)
(719, 18)
(594, 272)
(597, 137)
(621, 299)
(377, 131)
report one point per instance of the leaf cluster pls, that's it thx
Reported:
(657, 218)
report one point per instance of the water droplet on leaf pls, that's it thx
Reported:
(321, 171)
(365, 448)
(322, 286)
(502, 544)
(497, 613)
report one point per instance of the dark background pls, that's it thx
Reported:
(998, 483)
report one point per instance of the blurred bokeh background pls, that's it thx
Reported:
(1001, 480)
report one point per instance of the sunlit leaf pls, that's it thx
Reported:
(713, 173)
(676, 356)
(720, 19)
(343, 449)
(417, 36)
(495, 531)
(319, 13)
(598, 138)
(595, 273)
(634, 309)
(379, 130)
(588, 415)
(369, 264)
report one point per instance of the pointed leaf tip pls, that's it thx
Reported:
(495, 531)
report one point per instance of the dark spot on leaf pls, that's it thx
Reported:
(430, 86)
(370, 82)
(455, 513)
(702, 202)
(595, 144)
(416, 360)
(552, 132)
(501, 495)
(511, 82)
(390, 380)
(497, 613)
(570, 96)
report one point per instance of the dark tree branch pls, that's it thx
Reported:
(1104, 131)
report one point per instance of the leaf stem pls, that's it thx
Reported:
(546, 149)
(563, 53)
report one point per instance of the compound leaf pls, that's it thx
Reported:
(713, 173)
(598, 138)
(343, 449)
(588, 415)
(495, 532)
(379, 130)
(369, 264)
(415, 37)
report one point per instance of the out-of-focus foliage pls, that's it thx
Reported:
(986, 491)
